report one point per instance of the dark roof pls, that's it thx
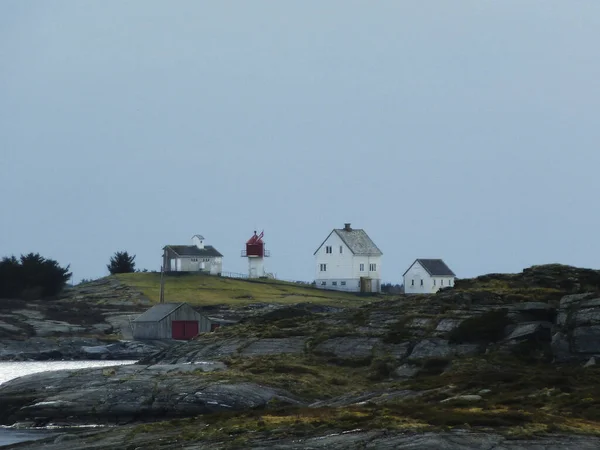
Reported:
(435, 267)
(158, 312)
(357, 240)
(192, 250)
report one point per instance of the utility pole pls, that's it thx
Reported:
(162, 285)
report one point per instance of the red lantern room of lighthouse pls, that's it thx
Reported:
(256, 252)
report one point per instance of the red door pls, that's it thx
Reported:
(184, 329)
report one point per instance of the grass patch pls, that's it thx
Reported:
(200, 289)
(309, 377)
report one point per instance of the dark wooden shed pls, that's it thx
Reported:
(170, 321)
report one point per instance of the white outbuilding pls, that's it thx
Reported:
(427, 276)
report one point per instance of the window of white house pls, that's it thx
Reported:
(434, 281)
(372, 267)
(343, 283)
(442, 282)
(323, 283)
(328, 249)
(361, 267)
(334, 283)
(449, 282)
(421, 282)
(323, 267)
(412, 283)
(341, 249)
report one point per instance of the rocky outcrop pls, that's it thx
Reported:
(120, 394)
(577, 331)
(78, 348)
(334, 440)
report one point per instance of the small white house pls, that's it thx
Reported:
(427, 276)
(197, 257)
(348, 260)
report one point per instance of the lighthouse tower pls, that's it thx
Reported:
(256, 254)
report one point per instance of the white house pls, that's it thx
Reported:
(348, 260)
(427, 276)
(197, 257)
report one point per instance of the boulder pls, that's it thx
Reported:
(540, 331)
(406, 371)
(586, 339)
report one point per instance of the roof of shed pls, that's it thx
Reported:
(158, 312)
(435, 267)
(192, 250)
(357, 240)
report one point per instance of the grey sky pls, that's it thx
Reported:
(466, 130)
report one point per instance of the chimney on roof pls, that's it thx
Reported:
(347, 227)
(198, 241)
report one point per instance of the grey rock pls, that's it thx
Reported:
(569, 300)
(586, 316)
(120, 393)
(591, 362)
(465, 398)
(524, 331)
(65, 437)
(406, 371)
(446, 325)
(275, 346)
(432, 348)
(441, 348)
(586, 339)
(420, 322)
(561, 347)
(376, 397)
(349, 347)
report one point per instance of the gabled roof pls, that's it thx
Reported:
(357, 240)
(192, 250)
(199, 236)
(434, 267)
(158, 312)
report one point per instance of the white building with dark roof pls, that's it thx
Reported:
(197, 257)
(427, 276)
(348, 260)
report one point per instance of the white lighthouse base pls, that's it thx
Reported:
(256, 267)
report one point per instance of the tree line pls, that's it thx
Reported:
(32, 276)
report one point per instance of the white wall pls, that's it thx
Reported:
(344, 267)
(416, 274)
(197, 263)
(256, 267)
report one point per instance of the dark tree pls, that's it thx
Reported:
(121, 262)
(31, 277)
(11, 281)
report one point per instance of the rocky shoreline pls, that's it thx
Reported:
(503, 362)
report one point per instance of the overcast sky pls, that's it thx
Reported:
(462, 130)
